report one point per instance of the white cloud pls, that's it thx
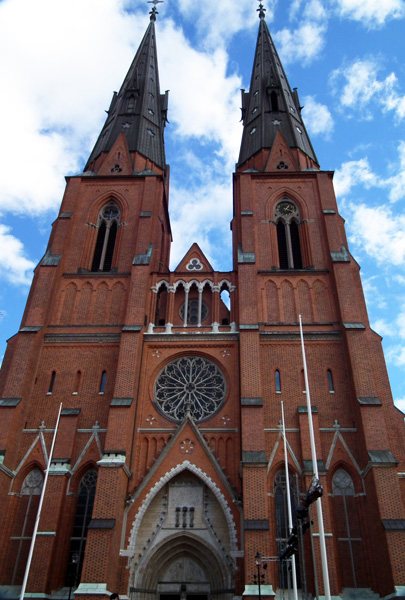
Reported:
(14, 266)
(317, 117)
(396, 355)
(359, 172)
(400, 403)
(205, 104)
(358, 88)
(372, 13)
(303, 44)
(217, 21)
(202, 217)
(54, 83)
(397, 182)
(379, 231)
(383, 328)
(354, 172)
(373, 294)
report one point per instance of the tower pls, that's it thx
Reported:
(168, 472)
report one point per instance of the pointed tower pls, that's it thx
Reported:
(138, 110)
(270, 108)
(291, 257)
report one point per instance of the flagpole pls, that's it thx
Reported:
(290, 521)
(324, 558)
(41, 500)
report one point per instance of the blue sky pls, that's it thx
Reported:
(62, 61)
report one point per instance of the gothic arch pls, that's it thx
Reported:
(199, 552)
(286, 194)
(186, 465)
(106, 198)
(78, 474)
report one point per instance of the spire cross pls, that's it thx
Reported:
(154, 11)
(261, 10)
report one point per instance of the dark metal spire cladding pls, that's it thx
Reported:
(138, 110)
(270, 105)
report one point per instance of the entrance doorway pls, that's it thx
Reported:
(185, 597)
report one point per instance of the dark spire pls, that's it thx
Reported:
(138, 110)
(270, 105)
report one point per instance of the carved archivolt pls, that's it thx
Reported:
(130, 551)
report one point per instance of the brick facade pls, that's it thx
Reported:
(183, 506)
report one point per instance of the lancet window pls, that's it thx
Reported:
(287, 219)
(84, 510)
(107, 225)
(27, 512)
(348, 527)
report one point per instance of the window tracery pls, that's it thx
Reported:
(190, 383)
(107, 225)
(287, 220)
(84, 510)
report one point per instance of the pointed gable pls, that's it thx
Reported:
(117, 160)
(281, 158)
(188, 442)
(194, 261)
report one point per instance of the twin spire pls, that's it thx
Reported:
(270, 105)
(140, 111)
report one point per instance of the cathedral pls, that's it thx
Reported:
(168, 477)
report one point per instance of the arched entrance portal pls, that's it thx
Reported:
(183, 568)
(181, 544)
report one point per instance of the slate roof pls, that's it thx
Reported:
(270, 105)
(138, 110)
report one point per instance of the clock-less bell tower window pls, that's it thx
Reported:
(107, 225)
(287, 220)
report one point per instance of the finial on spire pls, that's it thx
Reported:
(261, 10)
(154, 11)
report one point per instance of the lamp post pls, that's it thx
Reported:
(73, 574)
(259, 578)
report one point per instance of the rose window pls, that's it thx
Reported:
(193, 383)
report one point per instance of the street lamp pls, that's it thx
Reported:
(73, 574)
(259, 578)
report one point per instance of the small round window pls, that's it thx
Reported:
(192, 312)
(190, 383)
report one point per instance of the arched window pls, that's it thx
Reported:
(277, 379)
(24, 525)
(282, 528)
(330, 381)
(103, 382)
(161, 305)
(347, 526)
(52, 382)
(288, 237)
(84, 510)
(107, 225)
